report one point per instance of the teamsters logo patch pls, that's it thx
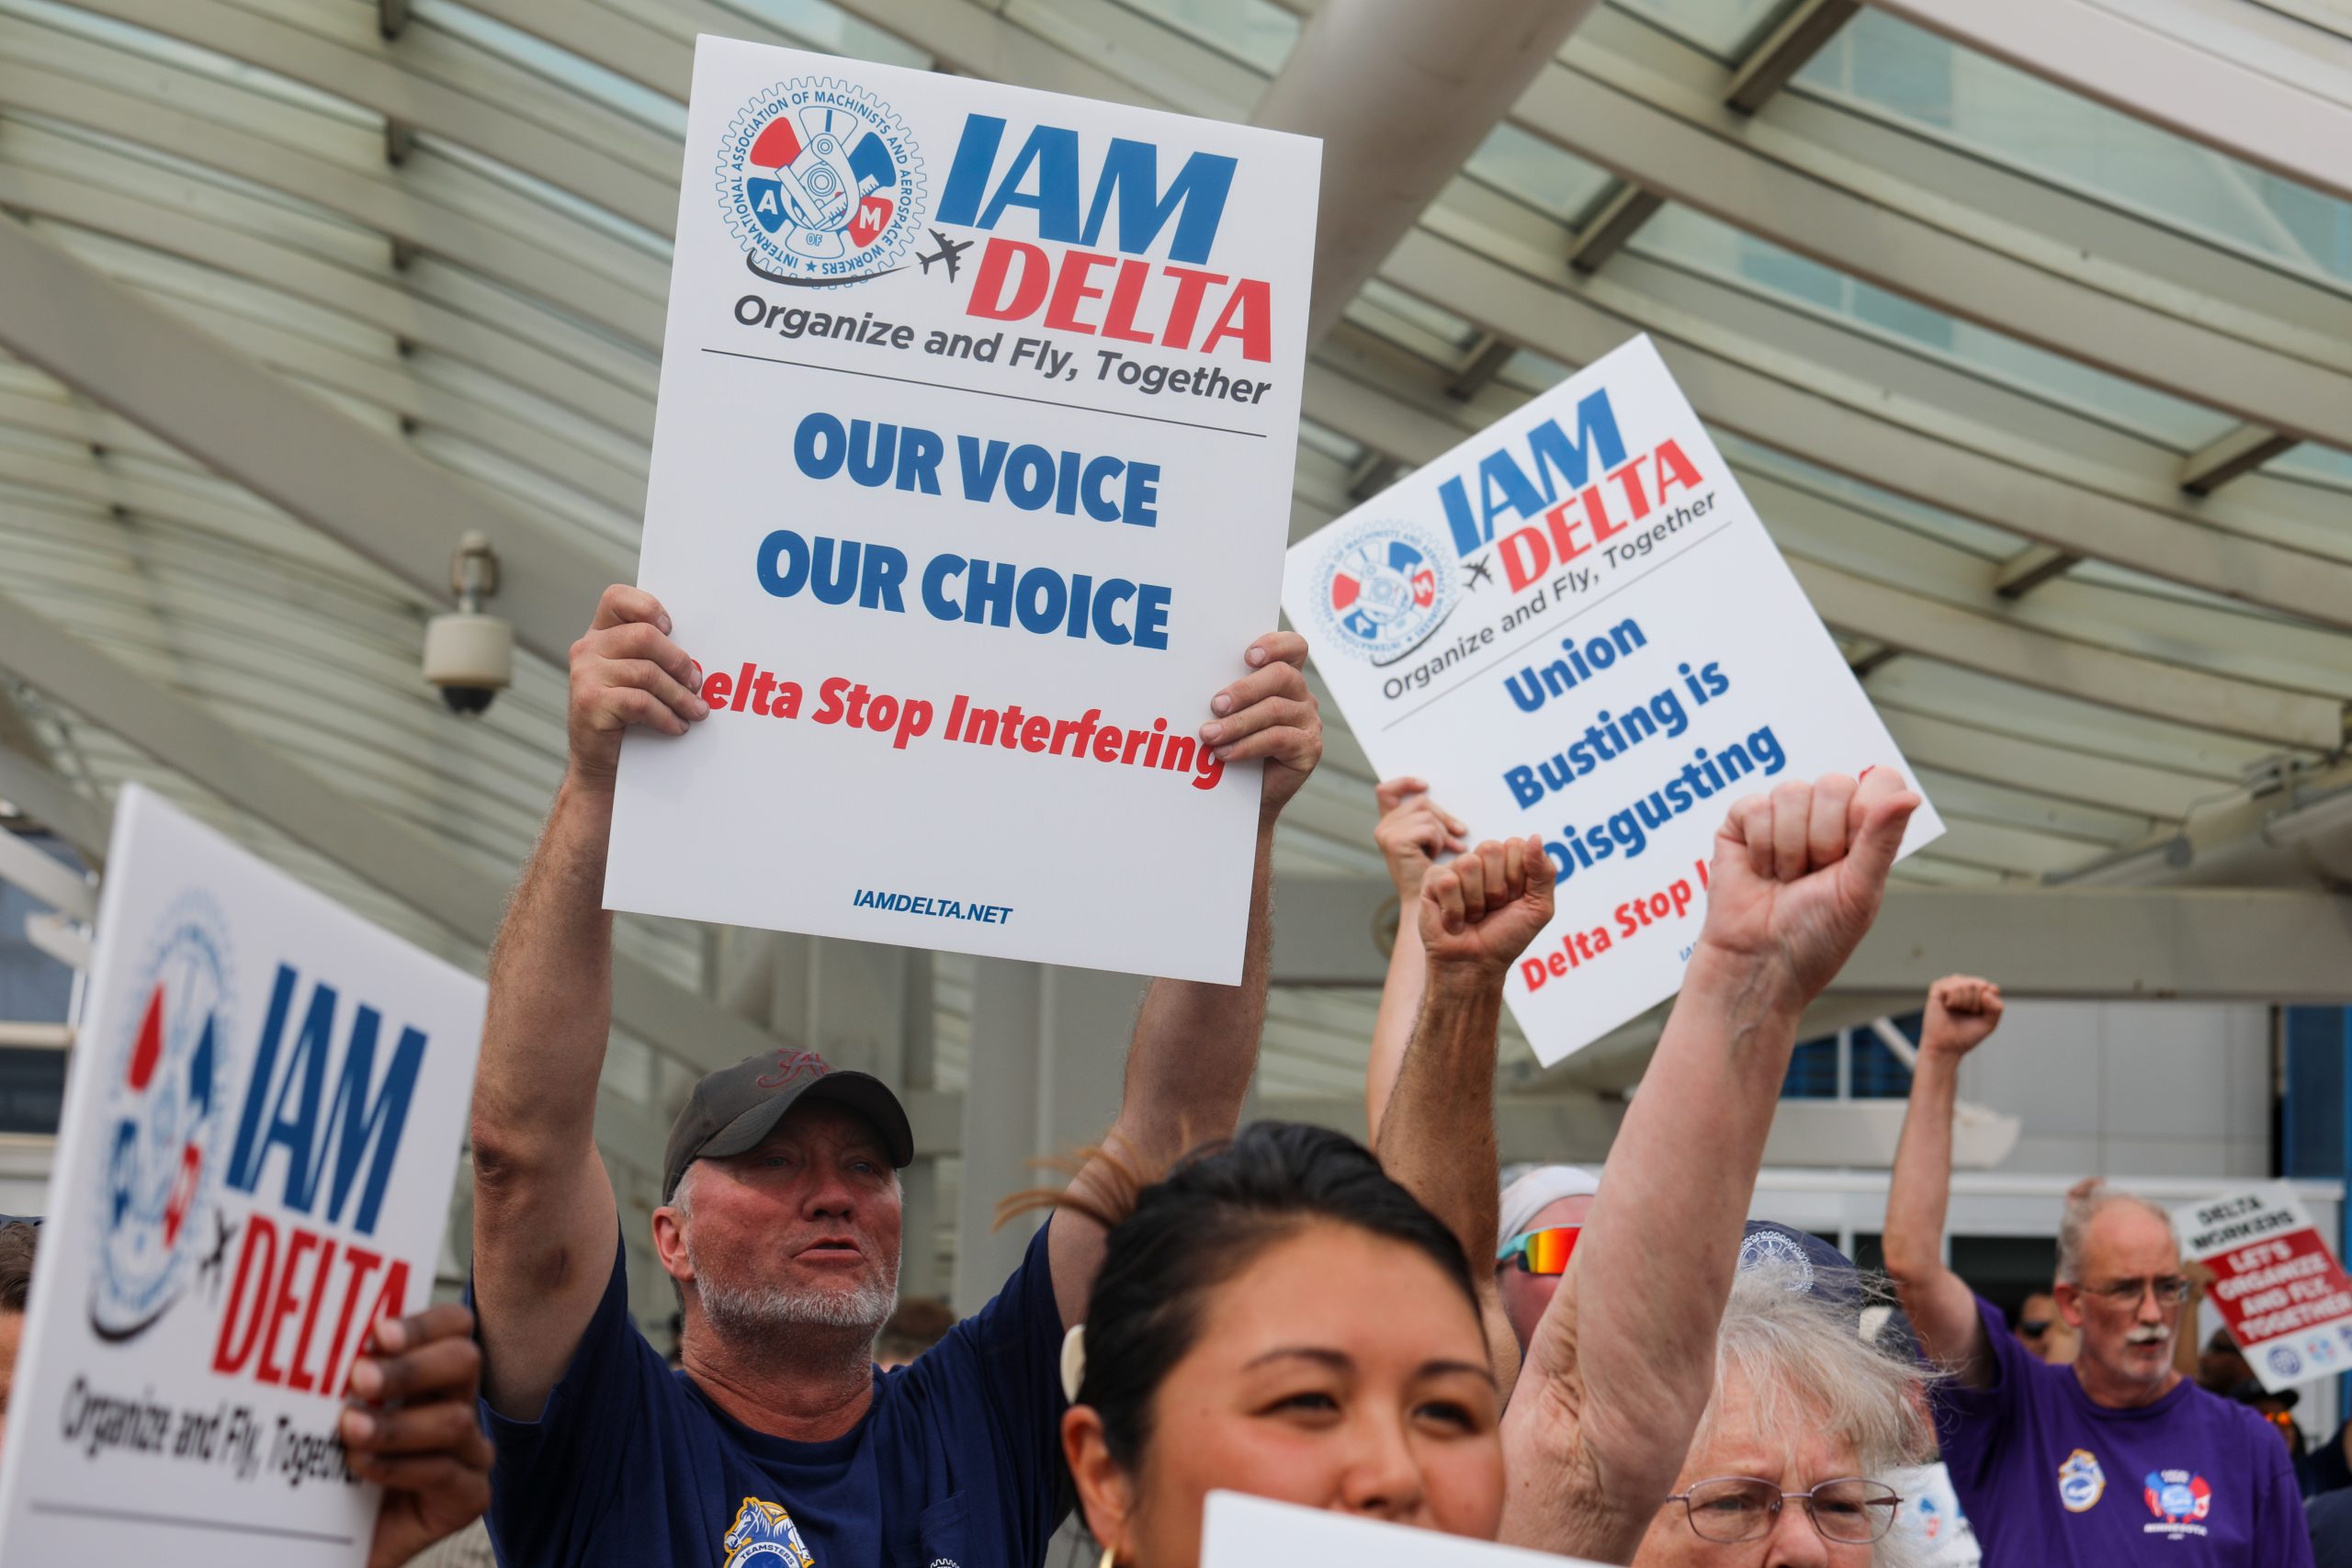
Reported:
(763, 1536)
(1385, 587)
(820, 184)
(166, 1099)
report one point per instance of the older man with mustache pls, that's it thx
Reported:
(2115, 1459)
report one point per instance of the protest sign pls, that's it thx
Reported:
(970, 477)
(1573, 624)
(2281, 1293)
(253, 1166)
(1253, 1532)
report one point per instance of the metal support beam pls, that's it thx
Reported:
(56, 884)
(1375, 472)
(1771, 65)
(37, 790)
(371, 492)
(2111, 56)
(2030, 567)
(1670, 136)
(413, 866)
(1871, 658)
(1492, 354)
(2242, 451)
(399, 142)
(1400, 92)
(1611, 227)
(2199, 943)
(391, 19)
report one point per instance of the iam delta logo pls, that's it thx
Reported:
(167, 1096)
(2177, 1497)
(1384, 589)
(820, 182)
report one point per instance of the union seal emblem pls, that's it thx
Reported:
(820, 182)
(166, 1097)
(1385, 587)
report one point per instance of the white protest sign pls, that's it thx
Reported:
(2282, 1295)
(1573, 624)
(970, 477)
(1252, 1532)
(260, 1129)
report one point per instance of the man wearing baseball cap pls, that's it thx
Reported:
(777, 1443)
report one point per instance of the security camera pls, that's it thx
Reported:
(467, 654)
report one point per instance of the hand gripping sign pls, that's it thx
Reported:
(2282, 1295)
(253, 1167)
(1573, 624)
(978, 417)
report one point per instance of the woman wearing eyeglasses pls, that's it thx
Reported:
(1807, 1416)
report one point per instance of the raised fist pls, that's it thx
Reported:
(626, 670)
(1480, 911)
(1412, 832)
(1962, 1011)
(1798, 875)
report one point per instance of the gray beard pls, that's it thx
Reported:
(738, 1311)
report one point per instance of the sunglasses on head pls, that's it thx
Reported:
(1541, 1252)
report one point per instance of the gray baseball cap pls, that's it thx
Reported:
(732, 1109)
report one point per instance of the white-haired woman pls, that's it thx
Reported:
(1785, 1470)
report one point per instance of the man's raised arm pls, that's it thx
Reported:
(1474, 917)
(1962, 1011)
(1195, 1045)
(1622, 1364)
(544, 1222)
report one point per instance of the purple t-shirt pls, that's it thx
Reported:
(2049, 1480)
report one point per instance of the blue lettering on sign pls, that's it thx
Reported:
(292, 1094)
(1504, 488)
(1043, 177)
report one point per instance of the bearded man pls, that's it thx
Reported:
(777, 1443)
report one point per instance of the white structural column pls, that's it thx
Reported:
(363, 489)
(1048, 1055)
(2104, 54)
(1401, 92)
(2199, 943)
(863, 1006)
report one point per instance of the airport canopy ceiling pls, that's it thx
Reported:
(2046, 391)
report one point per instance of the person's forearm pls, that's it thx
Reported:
(1664, 1231)
(1920, 1188)
(1438, 1139)
(1400, 1010)
(551, 994)
(1195, 1045)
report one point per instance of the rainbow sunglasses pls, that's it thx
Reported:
(1541, 1252)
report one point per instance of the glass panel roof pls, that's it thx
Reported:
(1941, 87)
(1250, 30)
(1693, 240)
(1537, 174)
(526, 384)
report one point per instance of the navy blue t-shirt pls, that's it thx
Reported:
(957, 1465)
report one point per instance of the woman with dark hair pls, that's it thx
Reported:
(1280, 1317)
